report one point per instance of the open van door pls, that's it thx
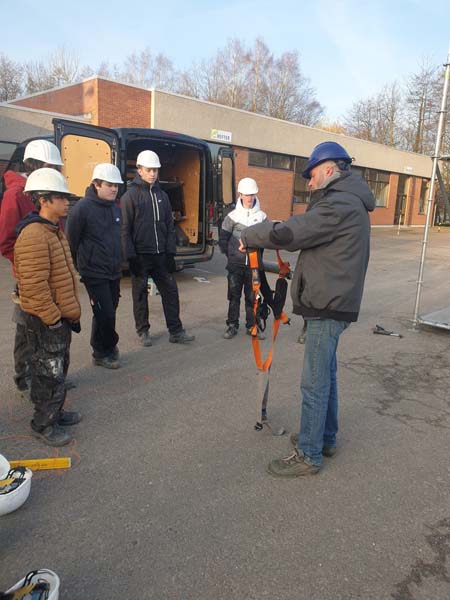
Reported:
(225, 194)
(82, 146)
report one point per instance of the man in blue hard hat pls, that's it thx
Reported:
(334, 238)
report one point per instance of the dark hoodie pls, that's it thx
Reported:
(93, 232)
(147, 220)
(33, 217)
(334, 239)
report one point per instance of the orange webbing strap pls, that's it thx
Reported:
(254, 260)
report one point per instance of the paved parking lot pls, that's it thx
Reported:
(168, 496)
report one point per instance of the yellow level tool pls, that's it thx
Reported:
(42, 464)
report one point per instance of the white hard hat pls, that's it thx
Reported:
(12, 496)
(39, 578)
(4, 467)
(247, 186)
(44, 151)
(149, 159)
(46, 180)
(107, 172)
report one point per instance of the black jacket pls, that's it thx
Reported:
(93, 231)
(334, 239)
(147, 226)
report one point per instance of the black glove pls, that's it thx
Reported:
(135, 266)
(75, 326)
(170, 263)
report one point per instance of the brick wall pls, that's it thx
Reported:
(79, 99)
(123, 105)
(275, 186)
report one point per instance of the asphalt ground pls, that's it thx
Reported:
(168, 495)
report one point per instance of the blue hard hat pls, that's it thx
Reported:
(325, 151)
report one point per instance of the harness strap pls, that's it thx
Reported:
(275, 301)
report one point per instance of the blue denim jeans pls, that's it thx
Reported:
(319, 418)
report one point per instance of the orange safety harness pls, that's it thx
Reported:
(264, 298)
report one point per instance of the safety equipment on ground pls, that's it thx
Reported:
(4, 466)
(42, 584)
(47, 180)
(14, 489)
(323, 152)
(44, 151)
(264, 301)
(149, 159)
(247, 186)
(107, 172)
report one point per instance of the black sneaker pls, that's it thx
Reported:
(53, 435)
(145, 340)
(68, 418)
(107, 361)
(230, 332)
(327, 450)
(181, 338)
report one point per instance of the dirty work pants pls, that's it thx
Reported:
(240, 277)
(154, 266)
(22, 355)
(319, 414)
(49, 359)
(104, 295)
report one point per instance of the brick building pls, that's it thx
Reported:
(272, 151)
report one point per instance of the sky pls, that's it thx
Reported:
(348, 49)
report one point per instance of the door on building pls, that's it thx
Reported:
(401, 205)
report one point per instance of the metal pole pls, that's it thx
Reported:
(431, 192)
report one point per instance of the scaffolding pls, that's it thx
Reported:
(440, 318)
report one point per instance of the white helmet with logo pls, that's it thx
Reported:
(149, 159)
(44, 151)
(14, 489)
(107, 172)
(47, 180)
(247, 186)
(43, 584)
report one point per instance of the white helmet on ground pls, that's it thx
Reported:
(4, 467)
(47, 180)
(44, 151)
(107, 172)
(149, 159)
(44, 581)
(247, 186)
(14, 489)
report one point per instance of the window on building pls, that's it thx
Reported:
(378, 181)
(302, 193)
(270, 160)
(424, 191)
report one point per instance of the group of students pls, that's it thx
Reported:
(333, 236)
(100, 235)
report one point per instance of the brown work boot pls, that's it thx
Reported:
(293, 465)
(327, 450)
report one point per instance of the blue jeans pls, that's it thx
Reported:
(319, 418)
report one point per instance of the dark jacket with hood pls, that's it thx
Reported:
(147, 221)
(93, 231)
(334, 239)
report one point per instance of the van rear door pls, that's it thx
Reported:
(223, 185)
(82, 146)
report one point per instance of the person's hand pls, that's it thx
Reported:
(56, 325)
(75, 326)
(242, 248)
(170, 263)
(134, 265)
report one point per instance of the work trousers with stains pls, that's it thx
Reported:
(22, 356)
(49, 348)
(240, 277)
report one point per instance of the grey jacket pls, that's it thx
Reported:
(334, 238)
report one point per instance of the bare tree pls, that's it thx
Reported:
(10, 79)
(261, 63)
(147, 70)
(61, 67)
